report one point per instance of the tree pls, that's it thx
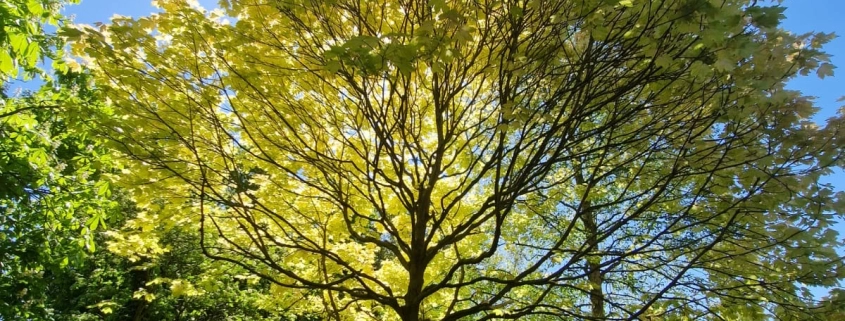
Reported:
(445, 160)
(833, 306)
(23, 38)
(54, 196)
(51, 197)
(107, 286)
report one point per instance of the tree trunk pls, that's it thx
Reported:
(594, 267)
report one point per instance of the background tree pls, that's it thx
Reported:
(446, 160)
(180, 284)
(833, 305)
(23, 39)
(54, 195)
(50, 195)
(54, 266)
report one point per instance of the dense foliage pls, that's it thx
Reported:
(425, 160)
(106, 286)
(499, 159)
(50, 196)
(55, 200)
(22, 36)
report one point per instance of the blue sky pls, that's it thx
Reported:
(801, 16)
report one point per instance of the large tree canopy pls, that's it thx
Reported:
(445, 160)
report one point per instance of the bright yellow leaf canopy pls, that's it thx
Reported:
(440, 160)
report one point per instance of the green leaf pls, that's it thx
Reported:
(7, 65)
(92, 223)
(766, 17)
(825, 70)
(103, 188)
(18, 41)
(71, 33)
